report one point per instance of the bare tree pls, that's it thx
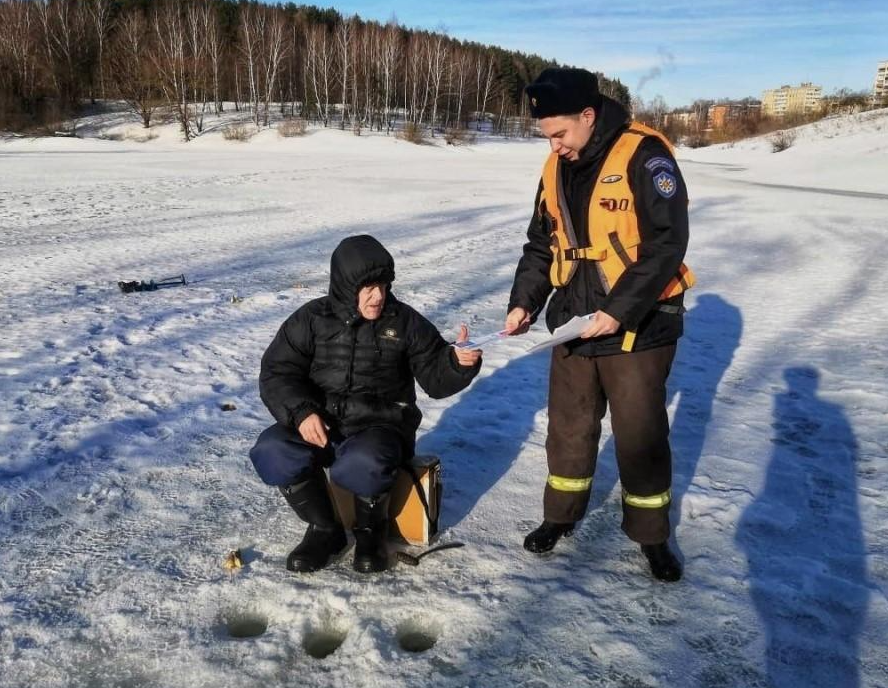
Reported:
(344, 37)
(416, 78)
(198, 17)
(194, 52)
(273, 53)
(390, 57)
(171, 61)
(18, 50)
(64, 39)
(133, 75)
(215, 50)
(484, 72)
(252, 26)
(100, 14)
(461, 64)
(319, 58)
(437, 61)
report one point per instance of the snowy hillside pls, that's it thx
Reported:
(123, 483)
(845, 153)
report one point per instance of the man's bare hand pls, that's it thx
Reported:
(517, 321)
(466, 357)
(313, 431)
(601, 325)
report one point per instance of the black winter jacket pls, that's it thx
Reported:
(355, 373)
(663, 225)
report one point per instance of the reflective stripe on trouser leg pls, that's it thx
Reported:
(556, 482)
(576, 406)
(652, 502)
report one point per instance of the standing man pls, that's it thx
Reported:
(608, 234)
(340, 380)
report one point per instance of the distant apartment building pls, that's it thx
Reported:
(791, 100)
(880, 87)
(722, 115)
(687, 120)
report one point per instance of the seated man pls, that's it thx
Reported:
(339, 380)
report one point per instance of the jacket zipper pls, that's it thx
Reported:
(351, 366)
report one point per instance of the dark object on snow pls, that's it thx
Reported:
(664, 565)
(228, 406)
(543, 539)
(413, 559)
(130, 287)
(325, 536)
(371, 532)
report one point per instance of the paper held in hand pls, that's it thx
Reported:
(484, 340)
(572, 329)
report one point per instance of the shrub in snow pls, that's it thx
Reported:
(459, 137)
(413, 133)
(295, 126)
(781, 140)
(696, 141)
(236, 132)
(144, 138)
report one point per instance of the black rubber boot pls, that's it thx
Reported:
(664, 565)
(371, 533)
(543, 539)
(325, 536)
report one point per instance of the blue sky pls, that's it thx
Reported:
(701, 49)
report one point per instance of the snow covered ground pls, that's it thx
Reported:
(123, 483)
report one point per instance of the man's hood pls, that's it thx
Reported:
(357, 261)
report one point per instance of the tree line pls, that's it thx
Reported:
(194, 57)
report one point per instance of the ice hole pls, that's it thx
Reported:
(418, 635)
(324, 641)
(241, 624)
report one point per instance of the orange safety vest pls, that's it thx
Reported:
(613, 225)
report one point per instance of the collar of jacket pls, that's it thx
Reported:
(612, 120)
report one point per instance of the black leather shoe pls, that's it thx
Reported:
(664, 565)
(371, 534)
(543, 539)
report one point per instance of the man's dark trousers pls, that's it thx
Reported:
(365, 463)
(580, 390)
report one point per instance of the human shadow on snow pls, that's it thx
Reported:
(804, 543)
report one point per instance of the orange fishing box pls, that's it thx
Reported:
(409, 519)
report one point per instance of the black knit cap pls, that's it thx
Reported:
(563, 91)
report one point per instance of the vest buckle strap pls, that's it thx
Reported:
(585, 253)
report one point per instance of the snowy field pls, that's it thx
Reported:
(123, 483)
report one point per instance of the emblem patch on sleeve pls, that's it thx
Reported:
(665, 184)
(665, 163)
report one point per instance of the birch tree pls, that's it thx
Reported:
(390, 52)
(170, 60)
(132, 71)
(437, 62)
(100, 14)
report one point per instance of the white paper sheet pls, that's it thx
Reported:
(484, 340)
(572, 329)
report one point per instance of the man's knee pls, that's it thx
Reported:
(367, 463)
(279, 457)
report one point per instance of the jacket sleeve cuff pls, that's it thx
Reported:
(301, 412)
(463, 371)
